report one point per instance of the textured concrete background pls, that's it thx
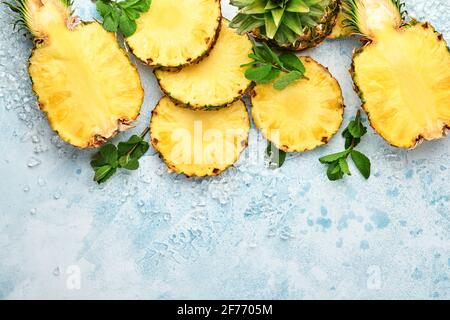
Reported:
(251, 233)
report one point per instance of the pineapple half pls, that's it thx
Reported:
(215, 82)
(174, 33)
(402, 73)
(199, 143)
(83, 80)
(303, 116)
(290, 24)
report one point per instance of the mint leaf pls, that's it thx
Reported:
(132, 164)
(258, 73)
(109, 153)
(343, 164)
(287, 79)
(362, 163)
(127, 26)
(334, 172)
(121, 16)
(333, 157)
(292, 62)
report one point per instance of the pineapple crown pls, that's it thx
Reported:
(25, 10)
(356, 19)
(281, 20)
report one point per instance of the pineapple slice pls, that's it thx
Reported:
(339, 30)
(174, 33)
(402, 74)
(84, 81)
(199, 143)
(215, 82)
(303, 116)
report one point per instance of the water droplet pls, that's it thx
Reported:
(41, 182)
(56, 271)
(33, 211)
(140, 203)
(33, 162)
(26, 189)
(167, 217)
(57, 195)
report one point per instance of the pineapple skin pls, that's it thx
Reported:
(314, 36)
(172, 167)
(419, 139)
(97, 140)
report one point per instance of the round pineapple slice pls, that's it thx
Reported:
(215, 82)
(404, 83)
(175, 33)
(303, 116)
(199, 143)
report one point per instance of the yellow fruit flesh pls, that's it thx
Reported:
(85, 83)
(175, 32)
(218, 79)
(404, 78)
(199, 143)
(304, 115)
(339, 30)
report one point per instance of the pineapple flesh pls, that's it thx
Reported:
(402, 73)
(84, 81)
(175, 33)
(216, 81)
(291, 24)
(303, 116)
(199, 143)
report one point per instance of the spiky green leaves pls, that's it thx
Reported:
(281, 20)
(267, 66)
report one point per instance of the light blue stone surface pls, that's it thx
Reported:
(251, 233)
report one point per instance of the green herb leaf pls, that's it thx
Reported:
(287, 79)
(292, 62)
(362, 163)
(337, 162)
(121, 16)
(126, 155)
(334, 171)
(333, 157)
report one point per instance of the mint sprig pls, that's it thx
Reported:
(120, 16)
(338, 162)
(126, 156)
(268, 66)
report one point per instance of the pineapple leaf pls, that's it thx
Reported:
(280, 20)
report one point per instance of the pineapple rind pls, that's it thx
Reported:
(310, 123)
(155, 62)
(415, 140)
(97, 139)
(312, 36)
(241, 121)
(184, 89)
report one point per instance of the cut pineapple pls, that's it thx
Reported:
(402, 74)
(303, 116)
(174, 33)
(216, 81)
(199, 143)
(84, 81)
(339, 30)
